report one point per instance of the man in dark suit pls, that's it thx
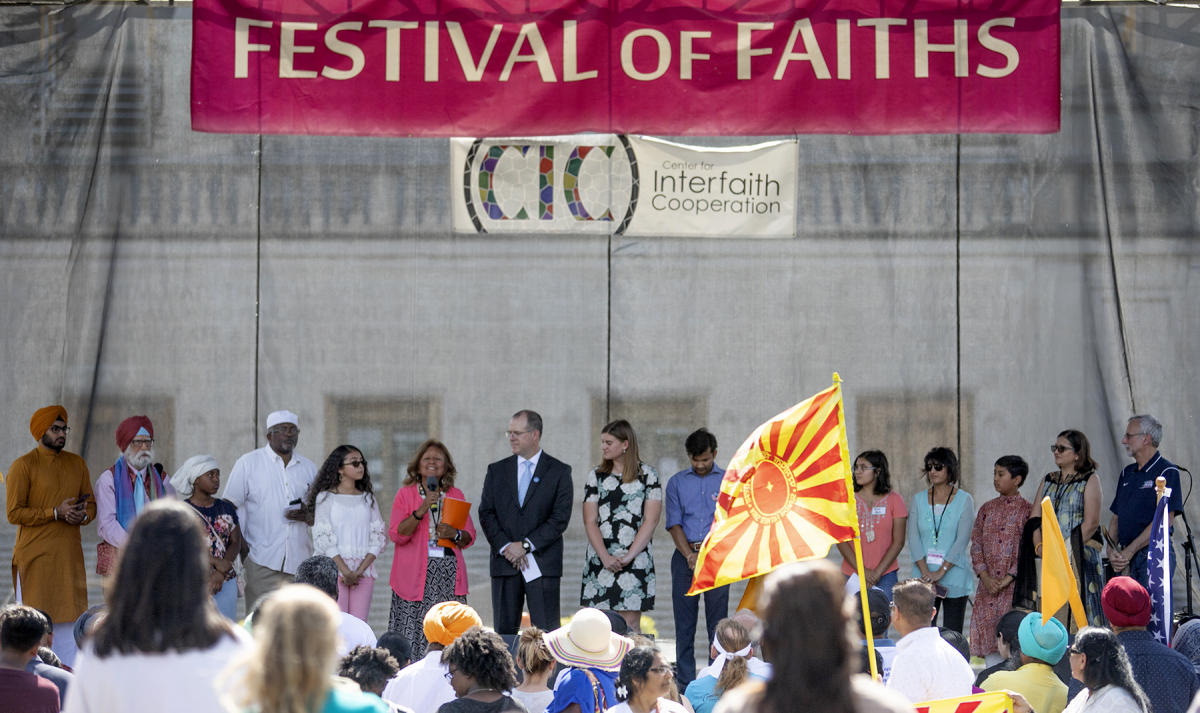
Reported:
(524, 510)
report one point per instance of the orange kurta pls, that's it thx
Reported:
(48, 554)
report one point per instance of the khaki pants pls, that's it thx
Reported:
(261, 581)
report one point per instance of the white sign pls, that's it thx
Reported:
(623, 185)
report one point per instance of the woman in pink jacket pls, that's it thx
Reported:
(424, 573)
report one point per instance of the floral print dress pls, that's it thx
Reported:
(994, 543)
(621, 509)
(220, 519)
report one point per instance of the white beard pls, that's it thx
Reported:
(138, 460)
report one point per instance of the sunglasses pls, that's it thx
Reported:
(932, 467)
(1060, 449)
(354, 463)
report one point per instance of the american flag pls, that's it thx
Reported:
(1158, 565)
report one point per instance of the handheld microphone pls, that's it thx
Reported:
(431, 484)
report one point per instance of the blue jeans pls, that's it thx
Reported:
(687, 610)
(226, 599)
(888, 581)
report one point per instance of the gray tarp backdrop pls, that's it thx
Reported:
(979, 291)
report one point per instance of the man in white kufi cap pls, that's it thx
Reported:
(266, 485)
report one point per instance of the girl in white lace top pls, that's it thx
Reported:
(346, 526)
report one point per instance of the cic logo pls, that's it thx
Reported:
(588, 184)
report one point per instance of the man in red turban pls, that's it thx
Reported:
(1164, 674)
(50, 498)
(124, 490)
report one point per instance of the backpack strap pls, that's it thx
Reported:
(598, 695)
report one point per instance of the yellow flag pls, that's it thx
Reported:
(750, 596)
(1059, 585)
(996, 702)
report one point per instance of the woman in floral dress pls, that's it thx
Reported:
(197, 482)
(1076, 494)
(994, 543)
(622, 504)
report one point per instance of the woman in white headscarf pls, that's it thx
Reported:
(731, 651)
(197, 482)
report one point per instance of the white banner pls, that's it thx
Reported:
(624, 185)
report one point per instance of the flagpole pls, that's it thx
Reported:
(868, 633)
(1160, 537)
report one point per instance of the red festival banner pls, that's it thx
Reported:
(668, 67)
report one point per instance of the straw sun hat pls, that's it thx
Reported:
(588, 641)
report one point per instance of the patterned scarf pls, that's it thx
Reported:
(123, 478)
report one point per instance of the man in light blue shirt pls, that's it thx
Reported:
(691, 502)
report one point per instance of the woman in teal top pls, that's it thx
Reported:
(939, 535)
(731, 652)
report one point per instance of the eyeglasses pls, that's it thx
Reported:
(60, 429)
(931, 467)
(449, 674)
(354, 464)
(864, 468)
(1060, 449)
(514, 434)
(287, 430)
(661, 669)
(142, 442)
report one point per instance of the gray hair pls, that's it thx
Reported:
(321, 572)
(750, 622)
(187, 473)
(1149, 426)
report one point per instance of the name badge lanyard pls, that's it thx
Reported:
(435, 519)
(1059, 488)
(937, 523)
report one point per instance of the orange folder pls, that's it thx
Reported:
(454, 514)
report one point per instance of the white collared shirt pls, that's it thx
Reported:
(353, 632)
(262, 487)
(422, 686)
(521, 461)
(927, 668)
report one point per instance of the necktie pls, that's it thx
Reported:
(523, 481)
(139, 493)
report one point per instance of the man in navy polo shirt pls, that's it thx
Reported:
(691, 502)
(1134, 503)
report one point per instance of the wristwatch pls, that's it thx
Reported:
(457, 535)
(528, 547)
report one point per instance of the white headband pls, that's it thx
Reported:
(187, 473)
(723, 655)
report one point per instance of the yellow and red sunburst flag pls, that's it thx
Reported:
(786, 495)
